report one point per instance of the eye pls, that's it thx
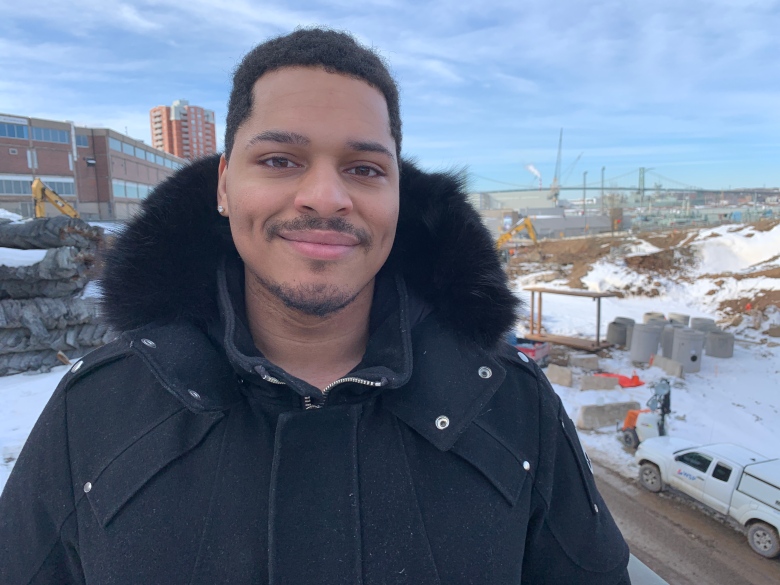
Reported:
(365, 171)
(278, 162)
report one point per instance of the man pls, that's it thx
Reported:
(310, 385)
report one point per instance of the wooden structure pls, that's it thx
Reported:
(536, 319)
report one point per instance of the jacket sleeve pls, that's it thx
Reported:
(572, 537)
(37, 514)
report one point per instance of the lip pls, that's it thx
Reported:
(321, 245)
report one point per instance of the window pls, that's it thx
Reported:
(118, 188)
(13, 151)
(168, 163)
(128, 149)
(695, 460)
(150, 156)
(721, 472)
(82, 141)
(131, 190)
(115, 144)
(140, 153)
(51, 135)
(159, 160)
(15, 187)
(13, 130)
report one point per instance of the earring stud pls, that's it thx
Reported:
(220, 208)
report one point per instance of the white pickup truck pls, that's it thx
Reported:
(731, 479)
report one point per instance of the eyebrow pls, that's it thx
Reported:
(281, 136)
(370, 146)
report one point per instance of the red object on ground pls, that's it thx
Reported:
(624, 381)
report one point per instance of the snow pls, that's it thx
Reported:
(22, 398)
(724, 249)
(5, 214)
(729, 400)
(15, 258)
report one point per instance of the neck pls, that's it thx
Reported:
(318, 350)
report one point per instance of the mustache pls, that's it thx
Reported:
(308, 222)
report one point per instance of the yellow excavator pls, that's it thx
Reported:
(41, 194)
(503, 239)
(523, 224)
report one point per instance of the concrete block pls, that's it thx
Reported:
(594, 416)
(586, 362)
(668, 365)
(560, 375)
(598, 383)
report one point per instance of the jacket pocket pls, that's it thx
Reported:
(577, 515)
(138, 462)
(496, 462)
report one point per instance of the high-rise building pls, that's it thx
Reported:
(183, 130)
(103, 173)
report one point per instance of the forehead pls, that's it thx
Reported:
(297, 96)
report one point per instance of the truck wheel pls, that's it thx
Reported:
(630, 438)
(650, 477)
(764, 540)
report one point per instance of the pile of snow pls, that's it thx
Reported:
(15, 258)
(729, 249)
(5, 214)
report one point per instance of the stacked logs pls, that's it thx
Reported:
(45, 319)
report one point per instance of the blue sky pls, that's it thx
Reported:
(688, 88)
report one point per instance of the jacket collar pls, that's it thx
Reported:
(388, 358)
(161, 267)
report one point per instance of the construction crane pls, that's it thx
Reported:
(41, 194)
(555, 187)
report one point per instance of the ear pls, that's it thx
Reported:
(222, 198)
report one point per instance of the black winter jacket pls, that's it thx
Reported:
(178, 454)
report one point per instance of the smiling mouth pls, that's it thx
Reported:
(321, 244)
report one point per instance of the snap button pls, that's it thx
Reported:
(77, 366)
(522, 356)
(595, 508)
(526, 465)
(485, 372)
(194, 394)
(87, 487)
(442, 423)
(148, 343)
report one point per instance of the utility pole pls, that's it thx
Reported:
(584, 187)
(602, 190)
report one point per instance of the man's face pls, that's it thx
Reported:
(311, 188)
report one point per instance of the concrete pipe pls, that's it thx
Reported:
(653, 316)
(687, 349)
(644, 342)
(680, 318)
(703, 324)
(667, 338)
(719, 344)
(629, 323)
(616, 334)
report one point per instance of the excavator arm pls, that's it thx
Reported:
(41, 194)
(523, 224)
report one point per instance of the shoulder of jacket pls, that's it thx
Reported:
(180, 357)
(94, 360)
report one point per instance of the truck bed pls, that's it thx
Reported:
(762, 482)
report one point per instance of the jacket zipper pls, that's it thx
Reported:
(309, 405)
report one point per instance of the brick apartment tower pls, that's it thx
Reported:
(183, 130)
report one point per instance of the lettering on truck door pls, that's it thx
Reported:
(718, 486)
(689, 472)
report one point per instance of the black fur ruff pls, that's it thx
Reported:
(162, 266)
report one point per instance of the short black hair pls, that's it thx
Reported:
(336, 52)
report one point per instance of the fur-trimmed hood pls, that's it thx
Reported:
(163, 266)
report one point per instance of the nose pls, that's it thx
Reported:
(322, 192)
